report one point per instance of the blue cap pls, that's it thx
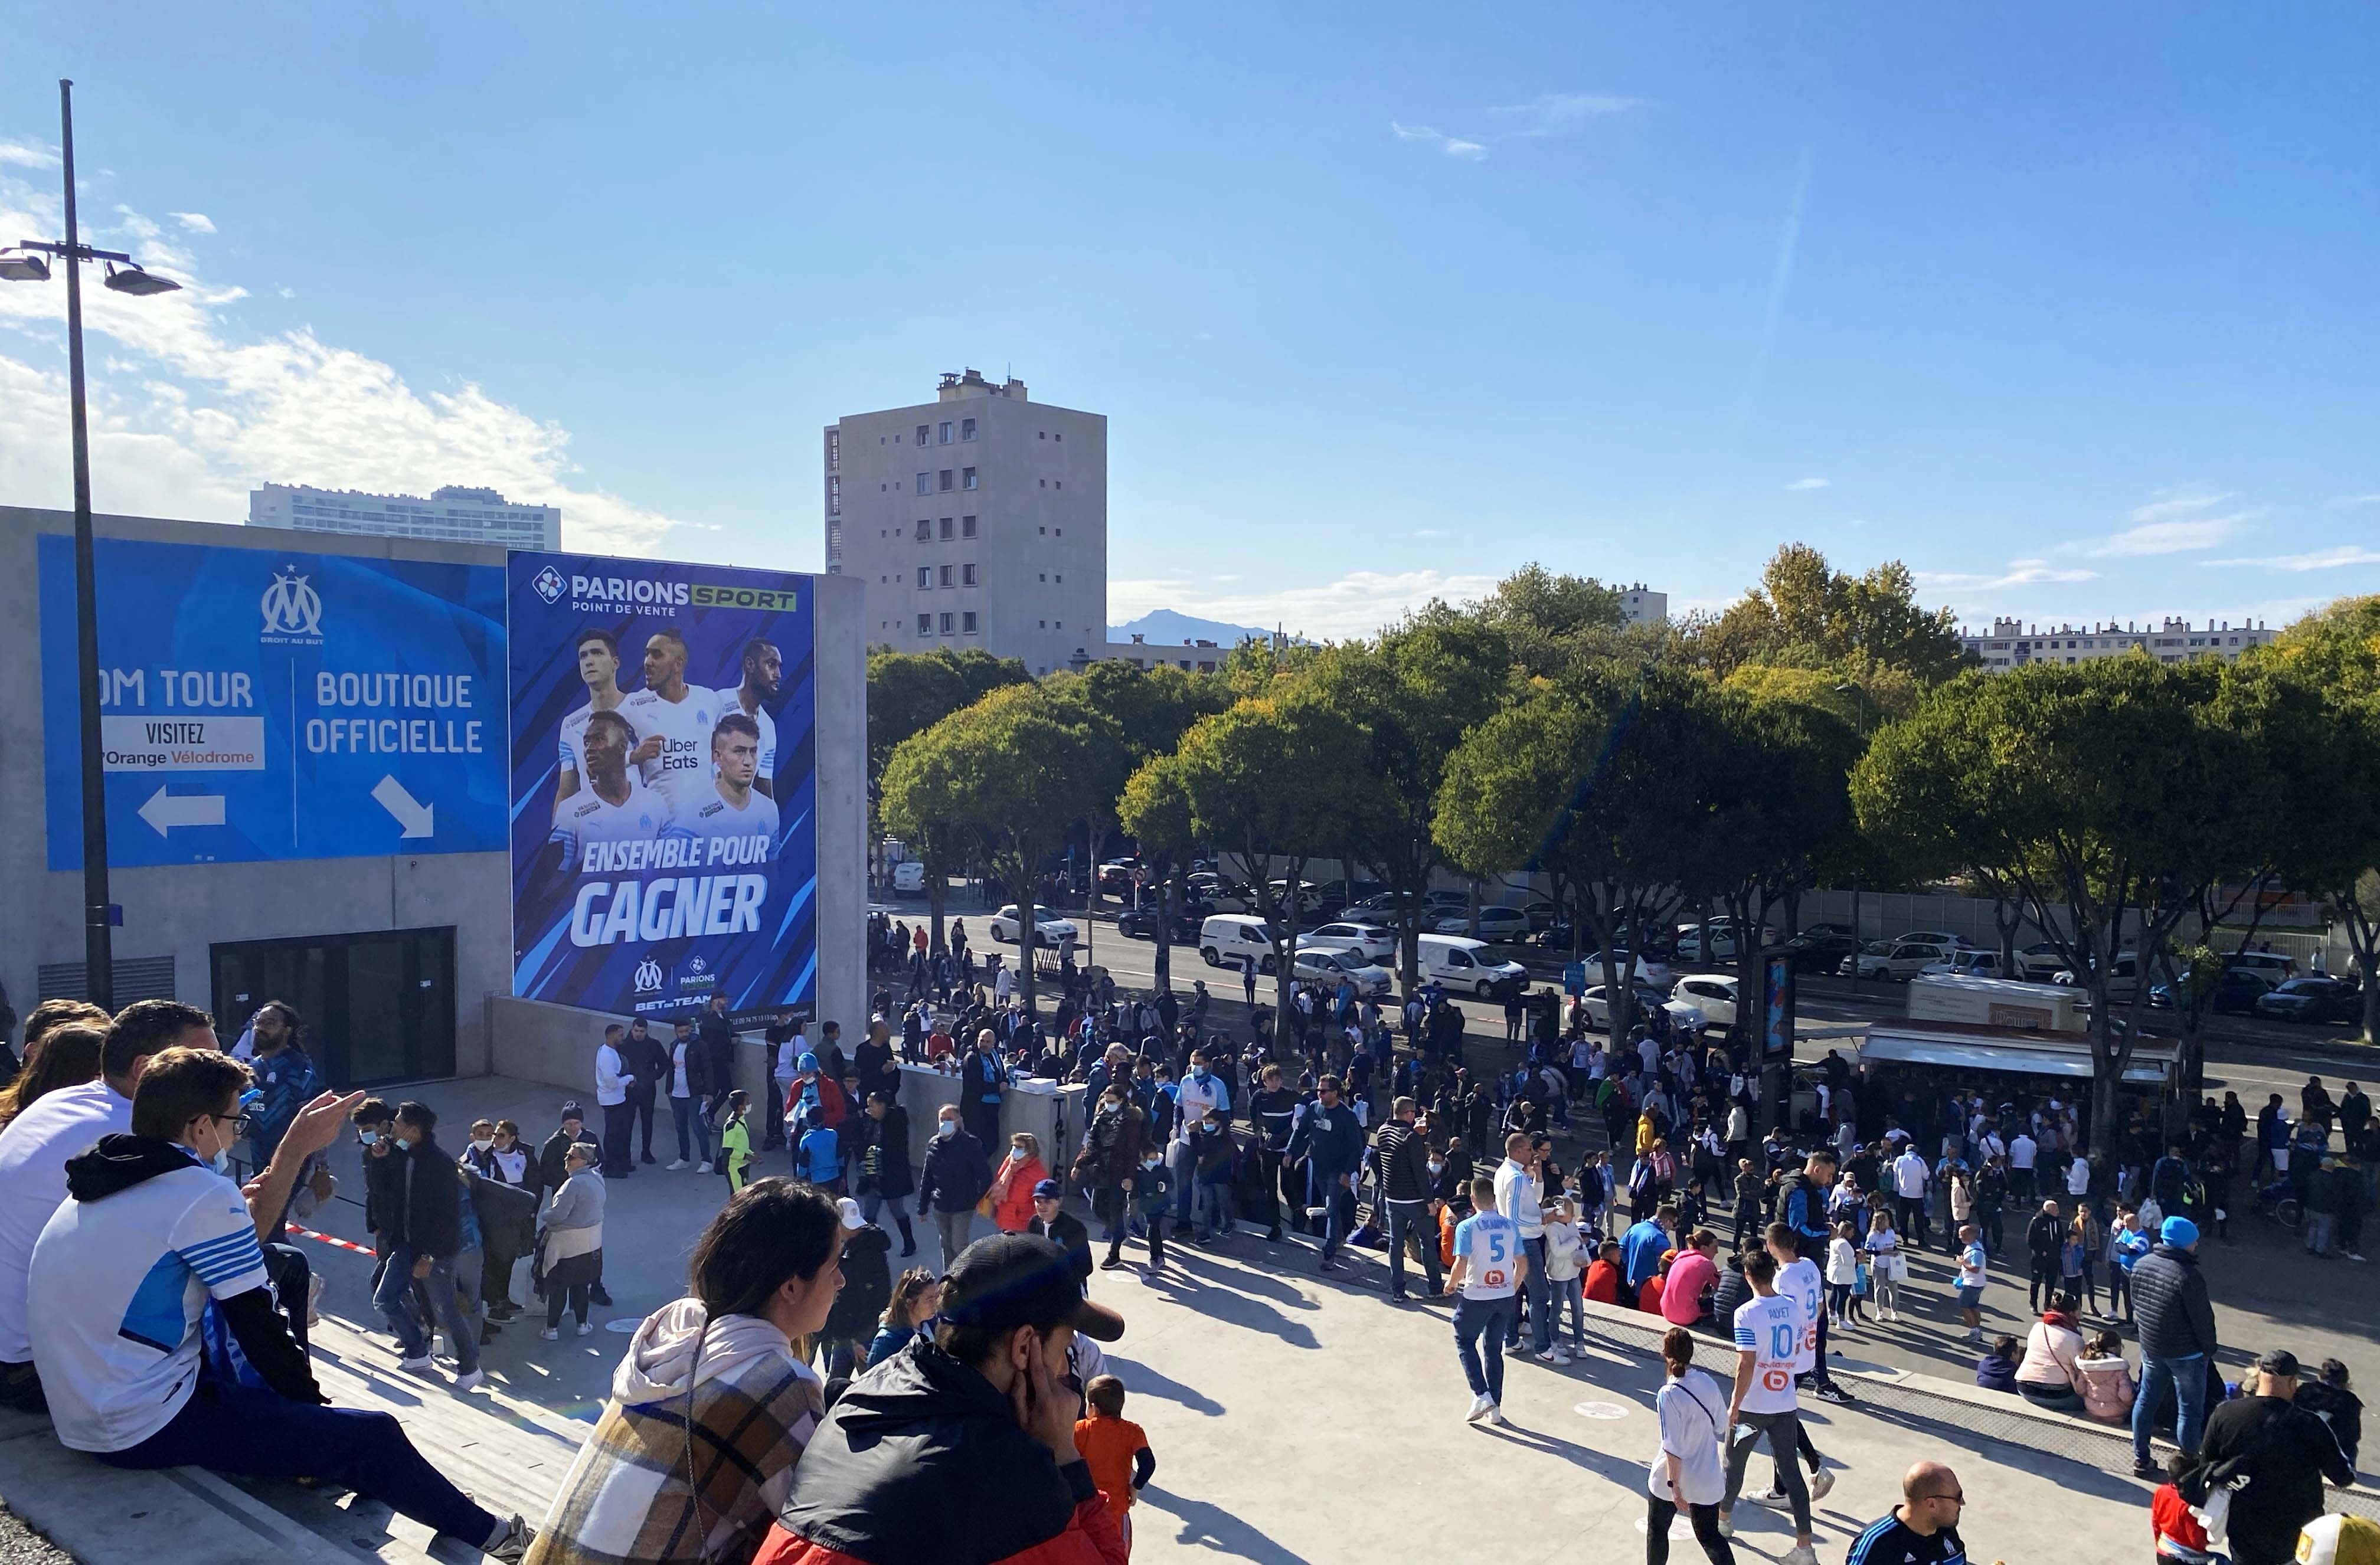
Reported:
(1048, 1190)
(2179, 1232)
(806, 1064)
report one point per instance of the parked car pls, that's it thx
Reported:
(1117, 874)
(1967, 964)
(2237, 990)
(1542, 913)
(1902, 960)
(2039, 962)
(1382, 908)
(1930, 937)
(1140, 922)
(2270, 965)
(1226, 937)
(1724, 943)
(2311, 999)
(1369, 941)
(1714, 994)
(1048, 931)
(1464, 965)
(1326, 966)
(1648, 971)
(1495, 925)
(908, 878)
(1813, 951)
(1598, 1003)
(2123, 979)
(1223, 896)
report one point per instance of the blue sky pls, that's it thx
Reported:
(2073, 311)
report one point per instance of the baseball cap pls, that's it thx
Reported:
(2179, 1232)
(1011, 1279)
(1048, 1190)
(2280, 1360)
(852, 1219)
(2337, 1539)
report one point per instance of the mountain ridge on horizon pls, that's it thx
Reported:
(1172, 628)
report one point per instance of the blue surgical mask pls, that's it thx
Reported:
(368, 1137)
(946, 1127)
(222, 1163)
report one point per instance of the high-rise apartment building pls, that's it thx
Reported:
(2011, 644)
(1639, 604)
(452, 514)
(978, 519)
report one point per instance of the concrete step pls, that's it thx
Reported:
(508, 1454)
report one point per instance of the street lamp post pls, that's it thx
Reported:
(24, 263)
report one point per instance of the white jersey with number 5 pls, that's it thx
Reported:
(1771, 1330)
(1800, 1281)
(1491, 1243)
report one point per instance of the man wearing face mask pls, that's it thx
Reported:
(424, 1235)
(1110, 1158)
(1407, 1172)
(122, 1276)
(954, 1180)
(1331, 1143)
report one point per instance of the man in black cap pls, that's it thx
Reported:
(1053, 1222)
(960, 1448)
(2283, 1451)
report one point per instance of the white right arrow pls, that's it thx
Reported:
(410, 812)
(164, 811)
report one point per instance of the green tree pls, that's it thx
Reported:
(1016, 766)
(2102, 791)
(908, 693)
(1602, 782)
(1806, 613)
(1550, 620)
(1272, 782)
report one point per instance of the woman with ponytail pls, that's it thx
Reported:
(1688, 1477)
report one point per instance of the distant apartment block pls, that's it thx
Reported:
(1640, 604)
(2012, 643)
(452, 514)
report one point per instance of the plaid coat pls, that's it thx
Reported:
(637, 1495)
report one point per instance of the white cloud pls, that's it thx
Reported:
(25, 155)
(1452, 146)
(1352, 605)
(196, 222)
(1457, 148)
(1553, 113)
(1417, 132)
(191, 412)
(1810, 483)
(2357, 500)
(2172, 503)
(2020, 573)
(2172, 536)
(2318, 560)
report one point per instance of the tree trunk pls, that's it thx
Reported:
(938, 883)
(1161, 864)
(1028, 925)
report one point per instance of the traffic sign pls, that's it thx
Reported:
(263, 703)
(1574, 977)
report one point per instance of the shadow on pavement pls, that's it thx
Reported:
(1212, 1527)
(1145, 1381)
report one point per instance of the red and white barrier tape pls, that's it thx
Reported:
(334, 1241)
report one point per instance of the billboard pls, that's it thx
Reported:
(664, 844)
(265, 703)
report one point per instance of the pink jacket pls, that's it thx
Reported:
(1691, 1275)
(2108, 1388)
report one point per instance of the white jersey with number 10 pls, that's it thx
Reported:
(1771, 1330)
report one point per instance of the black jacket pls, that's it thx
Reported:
(698, 1069)
(2045, 1237)
(1067, 1230)
(381, 1197)
(649, 1062)
(506, 1214)
(956, 1177)
(2286, 1453)
(879, 1153)
(2340, 1408)
(1401, 1161)
(717, 1036)
(427, 1216)
(116, 1163)
(2170, 1300)
(866, 1286)
(549, 1170)
(922, 1458)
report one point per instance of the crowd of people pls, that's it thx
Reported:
(842, 1383)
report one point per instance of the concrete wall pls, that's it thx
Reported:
(554, 1045)
(178, 911)
(840, 631)
(1053, 1113)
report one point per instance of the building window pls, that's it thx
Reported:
(924, 483)
(1045, 532)
(1062, 577)
(834, 495)
(834, 447)
(1045, 576)
(1058, 437)
(966, 432)
(967, 576)
(1062, 532)
(967, 477)
(924, 624)
(1045, 483)
(925, 576)
(925, 529)
(945, 480)
(966, 621)
(966, 527)
(921, 434)
(946, 440)
(946, 527)
(1060, 624)
(1061, 483)
(946, 625)
(946, 576)
(1045, 624)
(1041, 435)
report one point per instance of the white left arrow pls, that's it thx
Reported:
(410, 812)
(165, 811)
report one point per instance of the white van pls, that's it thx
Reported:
(1226, 937)
(1463, 964)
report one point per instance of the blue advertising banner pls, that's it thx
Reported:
(664, 784)
(260, 704)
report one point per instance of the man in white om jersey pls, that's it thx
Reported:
(673, 722)
(615, 806)
(599, 666)
(736, 807)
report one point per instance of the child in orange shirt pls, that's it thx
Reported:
(1115, 1449)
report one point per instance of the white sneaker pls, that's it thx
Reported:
(1495, 1417)
(1800, 1554)
(1553, 1355)
(586, 1328)
(702, 1167)
(418, 1364)
(468, 1382)
(1726, 1525)
(1821, 1483)
(1776, 1499)
(314, 1297)
(1480, 1404)
(676, 1166)
(549, 1334)
(1561, 1355)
